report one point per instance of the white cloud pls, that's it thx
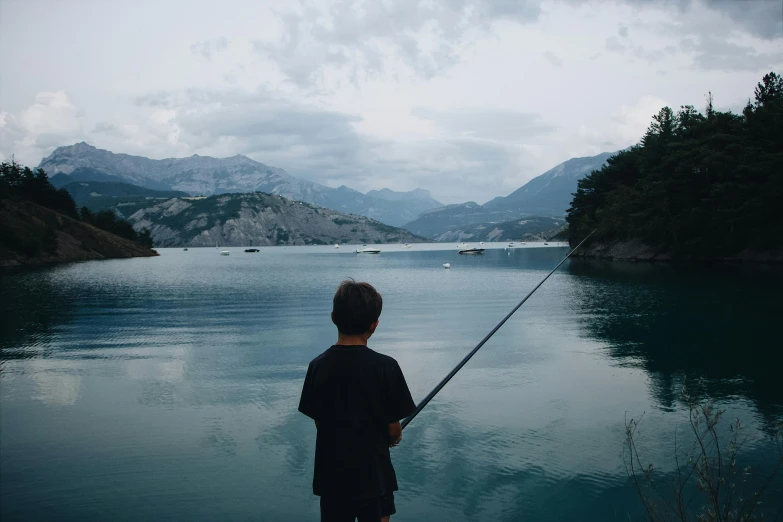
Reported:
(50, 121)
(629, 123)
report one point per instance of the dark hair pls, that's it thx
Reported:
(356, 306)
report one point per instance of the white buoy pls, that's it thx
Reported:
(446, 265)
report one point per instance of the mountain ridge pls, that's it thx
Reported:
(206, 175)
(545, 196)
(258, 219)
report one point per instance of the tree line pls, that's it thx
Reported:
(697, 185)
(22, 183)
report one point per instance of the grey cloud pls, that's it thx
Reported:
(157, 99)
(553, 59)
(207, 48)
(718, 54)
(107, 129)
(648, 55)
(696, 34)
(614, 45)
(641, 53)
(51, 140)
(456, 167)
(307, 141)
(266, 120)
(762, 18)
(361, 39)
(496, 124)
(324, 146)
(688, 44)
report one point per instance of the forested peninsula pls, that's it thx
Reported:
(40, 224)
(697, 186)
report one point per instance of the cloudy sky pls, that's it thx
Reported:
(467, 98)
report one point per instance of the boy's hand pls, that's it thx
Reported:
(395, 434)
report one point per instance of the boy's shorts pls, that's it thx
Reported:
(341, 509)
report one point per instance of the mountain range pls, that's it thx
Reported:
(204, 175)
(548, 195)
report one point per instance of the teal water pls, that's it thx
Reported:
(167, 388)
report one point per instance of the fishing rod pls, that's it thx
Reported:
(462, 363)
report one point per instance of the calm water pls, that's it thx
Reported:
(167, 388)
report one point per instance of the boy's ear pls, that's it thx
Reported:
(373, 326)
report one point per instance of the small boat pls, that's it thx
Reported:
(406, 245)
(368, 250)
(546, 244)
(446, 265)
(336, 245)
(224, 253)
(472, 251)
(511, 245)
(252, 250)
(184, 249)
(481, 243)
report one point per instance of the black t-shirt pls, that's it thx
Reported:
(354, 393)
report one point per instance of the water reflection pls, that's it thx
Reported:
(715, 326)
(166, 388)
(32, 306)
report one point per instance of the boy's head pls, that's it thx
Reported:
(356, 308)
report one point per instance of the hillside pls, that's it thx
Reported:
(550, 193)
(34, 235)
(436, 222)
(89, 174)
(204, 175)
(122, 197)
(547, 195)
(698, 186)
(258, 219)
(507, 231)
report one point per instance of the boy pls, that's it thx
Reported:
(356, 397)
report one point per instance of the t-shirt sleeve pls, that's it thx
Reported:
(399, 401)
(307, 402)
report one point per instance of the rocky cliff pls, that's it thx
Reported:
(258, 219)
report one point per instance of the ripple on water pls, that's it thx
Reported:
(167, 388)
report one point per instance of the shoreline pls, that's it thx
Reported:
(636, 251)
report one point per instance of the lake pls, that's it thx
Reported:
(167, 388)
